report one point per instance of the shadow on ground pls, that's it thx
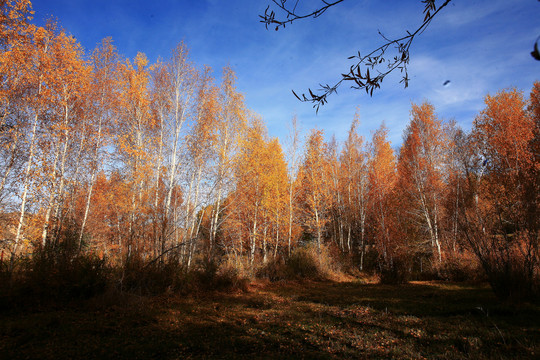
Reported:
(313, 320)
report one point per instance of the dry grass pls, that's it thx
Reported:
(312, 320)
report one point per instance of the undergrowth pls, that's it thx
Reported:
(306, 262)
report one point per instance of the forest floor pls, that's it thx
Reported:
(311, 320)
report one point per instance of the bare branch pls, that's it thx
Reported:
(291, 15)
(377, 60)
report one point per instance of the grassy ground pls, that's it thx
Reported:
(315, 320)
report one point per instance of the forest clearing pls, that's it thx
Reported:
(147, 212)
(311, 320)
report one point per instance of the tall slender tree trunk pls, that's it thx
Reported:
(159, 163)
(215, 218)
(26, 185)
(187, 225)
(290, 217)
(254, 235)
(384, 230)
(318, 225)
(178, 122)
(264, 245)
(11, 162)
(196, 202)
(51, 198)
(60, 192)
(277, 234)
(95, 169)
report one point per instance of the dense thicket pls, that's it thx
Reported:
(145, 165)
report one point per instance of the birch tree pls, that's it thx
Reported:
(34, 102)
(382, 178)
(67, 127)
(105, 61)
(421, 165)
(315, 196)
(134, 142)
(182, 87)
(201, 141)
(355, 187)
(293, 162)
(230, 127)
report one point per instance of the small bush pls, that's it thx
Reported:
(230, 278)
(510, 284)
(305, 262)
(211, 275)
(395, 271)
(371, 260)
(171, 276)
(512, 280)
(50, 279)
(145, 278)
(459, 267)
(511, 265)
(274, 270)
(82, 276)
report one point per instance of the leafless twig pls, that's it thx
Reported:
(377, 61)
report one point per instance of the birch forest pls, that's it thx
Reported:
(138, 167)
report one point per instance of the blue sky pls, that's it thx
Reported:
(481, 46)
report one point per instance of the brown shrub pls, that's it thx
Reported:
(459, 266)
(305, 262)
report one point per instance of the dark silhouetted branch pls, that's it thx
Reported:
(377, 60)
(269, 18)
